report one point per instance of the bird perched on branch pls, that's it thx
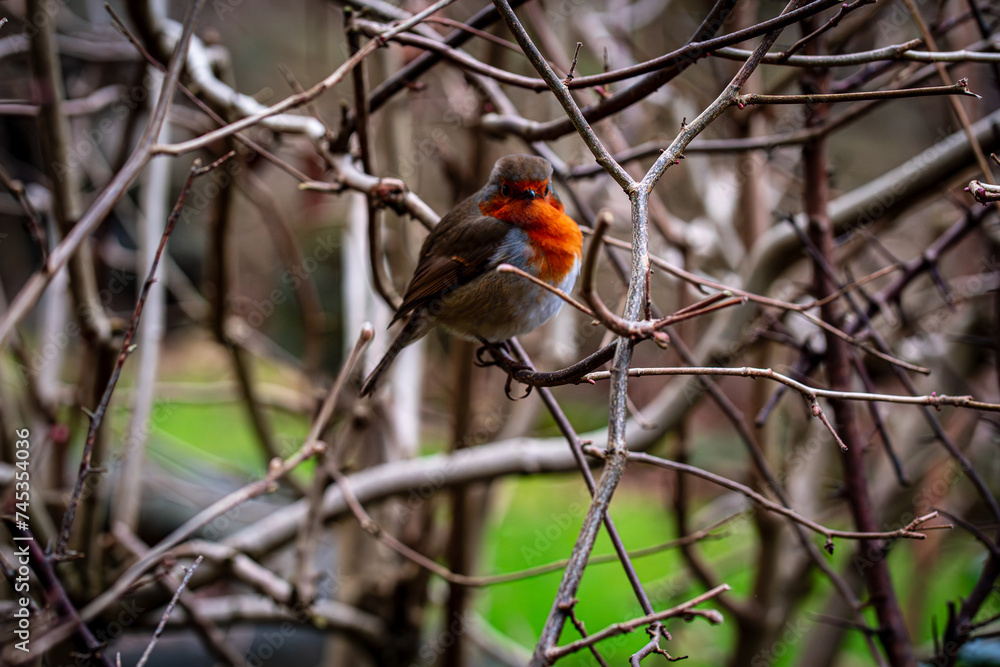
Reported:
(517, 219)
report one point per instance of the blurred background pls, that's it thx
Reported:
(266, 283)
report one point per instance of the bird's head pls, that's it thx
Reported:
(518, 178)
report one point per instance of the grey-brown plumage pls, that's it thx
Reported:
(516, 219)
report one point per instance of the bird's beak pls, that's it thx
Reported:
(530, 193)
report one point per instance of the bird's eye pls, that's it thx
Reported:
(548, 189)
(505, 190)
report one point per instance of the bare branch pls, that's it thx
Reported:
(167, 611)
(685, 611)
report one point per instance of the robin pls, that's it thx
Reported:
(517, 219)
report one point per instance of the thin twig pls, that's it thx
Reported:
(960, 88)
(984, 193)
(582, 629)
(685, 611)
(956, 107)
(811, 393)
(834, 21)
(34, 225)
(380, 278)
(904, 51)
(509, 268)
(768, 142)
(645, 328)
(97, 416)
(801, 309)
(909, 531)
(167, 611)
(406, 75)
(213, 638)
(572, 67)
(573, 374)
(371, 527)
(389, 191)
(562, 94)
(817, 411)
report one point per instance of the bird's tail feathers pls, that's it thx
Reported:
(414, 328)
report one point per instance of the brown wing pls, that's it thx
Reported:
(457, 250)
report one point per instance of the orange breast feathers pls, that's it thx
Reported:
(557, 240)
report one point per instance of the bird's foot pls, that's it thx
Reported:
(496, 354)
(486, 355)
(510, 379)
(500, 355)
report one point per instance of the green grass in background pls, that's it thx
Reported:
(222, 433)
(539, 525)
(213, 431)
(538, 520)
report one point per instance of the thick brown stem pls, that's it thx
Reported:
(893, 634)
(460, 541)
